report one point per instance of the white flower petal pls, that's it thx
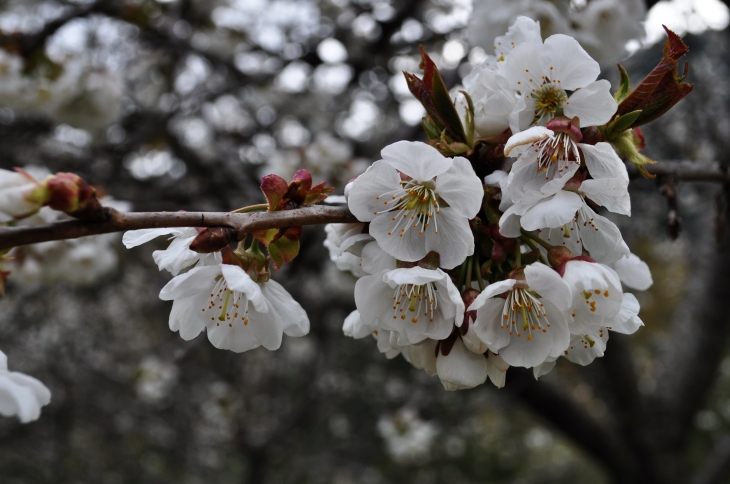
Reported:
(294, 317)
(190, 283)
(355, 328)
(461, 188)
(627, 320)
(375, 259)
(571, 65)
(549, 285)
(461, 368)
(600, 237)
(238, 280)
(528, 353)
(633, 272)
(408, 246)
(267, 326)
(552, 212)
(422, 356)
(454, 241)
(586, 348)
(612, 193)
(363, 199)
(186, 316)
(593, 104)
(237, 339)
(544, 368)
(527, 137)
(133, 238)
(418, 160)
(603, 162)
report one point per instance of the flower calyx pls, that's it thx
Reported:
(558, 256)
(564, 124)
(252, 261)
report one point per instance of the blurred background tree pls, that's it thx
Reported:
(185, 104)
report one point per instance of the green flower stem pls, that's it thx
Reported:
(535, 238)
(478, 271)
(470, 262)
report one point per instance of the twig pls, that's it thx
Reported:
(684, 170)
(115, 221)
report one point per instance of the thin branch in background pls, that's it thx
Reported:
(668, 188)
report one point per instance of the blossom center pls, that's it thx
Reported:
(549, 99)
(226, 304)
(555, 154)
(412, 206)
(415, 302)
(522, 305)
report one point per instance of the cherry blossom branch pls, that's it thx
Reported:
(115, 221)
(685, 170)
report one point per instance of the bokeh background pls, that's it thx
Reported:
(185, 104)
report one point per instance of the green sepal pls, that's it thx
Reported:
(624, 88)
(620, 124)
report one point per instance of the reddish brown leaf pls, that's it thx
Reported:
(274, 188)
(662, 88)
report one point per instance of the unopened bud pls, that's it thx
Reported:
(498, 255)
(469, 296)
(559, 255)
(592, 135)
(71, 194)
(213, 239)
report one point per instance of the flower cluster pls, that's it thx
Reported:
(464, 278)
(230, 294)
(479, 250)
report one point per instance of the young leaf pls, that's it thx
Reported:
(433, 94)
(662, 88)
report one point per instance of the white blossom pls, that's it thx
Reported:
(345, 243)
(524, 321)
(428, 211)
(543, 73)
(489, 17)
(355, 328)
(239, 314)
(21, 395)
(596, 294)
(18, 195)
(415, 303)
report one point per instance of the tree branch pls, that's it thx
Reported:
(558, 408)
(115, 221)
(684, 170)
